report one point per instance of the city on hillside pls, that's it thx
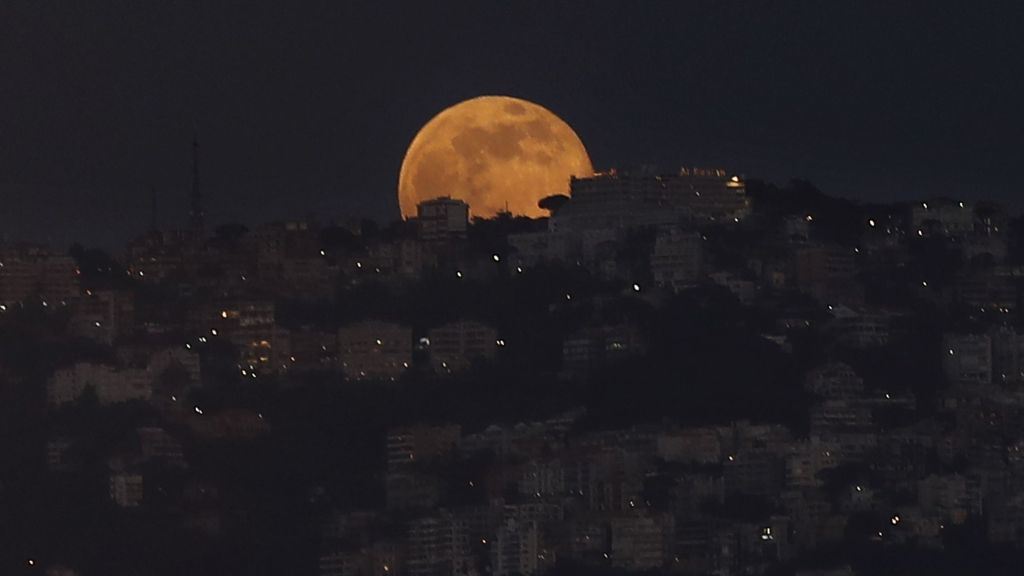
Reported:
(675, 371)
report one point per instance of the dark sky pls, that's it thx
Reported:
(305, 108)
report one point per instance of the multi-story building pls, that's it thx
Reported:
(374, 350)
(690, 445)
(442, 218)
(103, 315)
(846, 424)
(454, 346)
(411, 490)
(157, 445)
(643, 198)
(828, 273)
(640, 541)
(986, 290)
(111, 385)
(542, 478)
(59, 454)
(967, 358)
(531, 248)
(952, 497)
(419, 444)
(399, 259)
(126, 489)
(308, 349)
(860, 328)
(248, 325)
(158, 255)
(677, 259)
(807, 459)
(593, 347)
(836, 380)
(517, 549)
(32, 272)
(439, 546)
(941, 216)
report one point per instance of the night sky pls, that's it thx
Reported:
(308, 110)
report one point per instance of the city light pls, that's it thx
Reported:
(607, 399)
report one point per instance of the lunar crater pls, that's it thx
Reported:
(492, 152)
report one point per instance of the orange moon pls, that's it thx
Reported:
(492, 152)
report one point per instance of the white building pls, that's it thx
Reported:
(112, 386)
(442, 218)
(644, 198)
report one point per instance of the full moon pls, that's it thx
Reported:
(494, 153)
